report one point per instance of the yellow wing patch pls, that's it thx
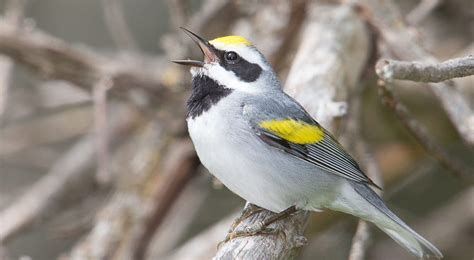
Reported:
(297, 132)
(231, 40)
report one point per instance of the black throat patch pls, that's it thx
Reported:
(206, 93)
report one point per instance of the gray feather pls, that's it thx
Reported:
(403, 234)
(327, 155)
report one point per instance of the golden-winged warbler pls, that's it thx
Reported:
(264, 146)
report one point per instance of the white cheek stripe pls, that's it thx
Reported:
(230, 80)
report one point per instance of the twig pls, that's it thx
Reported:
(361, 239)
(290, 33)
(336, 29)
(390, 70)
(52, 58)
(117, 25)
(154, 162)
(420, 133)
(178, 11)
(182, 165)
(422, 10)
(181, 217)
(5, 73)
(388, 20)
(25, 209)
(14, 10)
(117, 222)
(46, 191)
(103, 175)
(385, 16)
(215, 16)
(20, 135)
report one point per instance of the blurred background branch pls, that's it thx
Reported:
(388, 70)
(14, 11)
(117, 25)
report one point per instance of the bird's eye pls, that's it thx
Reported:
(231, 57)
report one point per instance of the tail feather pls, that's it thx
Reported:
(394, 226)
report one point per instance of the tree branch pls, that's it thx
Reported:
(101, 135)
(182, 168)
(117, 25)
(420, 133)
(13, 15)
(390, 70)
(21, 135)
(54, 59)
(422, 10)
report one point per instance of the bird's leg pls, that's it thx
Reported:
(262, 226)
(284, 214)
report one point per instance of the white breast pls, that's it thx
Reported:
(257, 172)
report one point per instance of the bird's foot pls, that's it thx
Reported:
(248, 212)
(259, 228)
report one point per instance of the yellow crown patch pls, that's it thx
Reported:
(232, 40)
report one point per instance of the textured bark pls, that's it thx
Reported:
(390, 70)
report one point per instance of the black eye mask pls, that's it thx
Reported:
(231, 61)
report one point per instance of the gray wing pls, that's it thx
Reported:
(326, 154)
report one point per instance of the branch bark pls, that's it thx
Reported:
(333, 72)
(13, 15)
(389, 70)
(101, 136)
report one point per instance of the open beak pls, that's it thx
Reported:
(206, 48)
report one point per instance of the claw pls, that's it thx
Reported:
(259, 228)
(248, 212)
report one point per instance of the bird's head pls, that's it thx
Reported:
(232, 62)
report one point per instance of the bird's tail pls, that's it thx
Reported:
(376, 212)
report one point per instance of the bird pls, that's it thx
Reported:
(266, 148)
